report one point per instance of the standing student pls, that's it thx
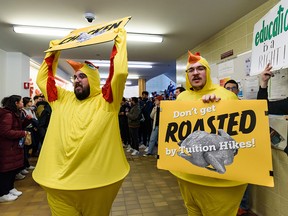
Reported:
(134, 125)
(43, 113)
(205, 195)
(123, 123)
(27, 110)
(155, 129)
(145, 129)
(82, 164)
(11, 146)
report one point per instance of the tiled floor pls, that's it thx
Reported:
(146, 191)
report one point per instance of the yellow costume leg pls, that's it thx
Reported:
(211, 201)
(89, 202)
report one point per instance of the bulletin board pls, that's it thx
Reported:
(238, 68)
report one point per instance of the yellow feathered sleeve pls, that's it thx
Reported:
(115, 83)
(46, 75)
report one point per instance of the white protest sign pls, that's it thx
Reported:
(270, 40)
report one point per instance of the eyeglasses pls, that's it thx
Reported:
(80, 76)
(198, 69)
(231, 88)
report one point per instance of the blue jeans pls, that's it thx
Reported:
(153, 140)
(245, 200)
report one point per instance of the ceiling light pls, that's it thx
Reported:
(145, 38)
(105, 76)
(51, 31)
(103, 82)
(131, 64)
(35, 30)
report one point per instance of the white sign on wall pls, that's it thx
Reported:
(270, 40)
(226, 68)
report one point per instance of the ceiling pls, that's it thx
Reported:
(183, 23)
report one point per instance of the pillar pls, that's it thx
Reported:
(141, 86)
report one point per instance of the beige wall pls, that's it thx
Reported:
(265, 201)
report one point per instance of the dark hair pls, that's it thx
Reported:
(10, 102)
(135, 99)
(145, 93)
(124, 99)
(233, 82)
(36, 97)
(26, 100)
(181, 89)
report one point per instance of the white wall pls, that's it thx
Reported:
(2, 73)
(131, 91)
(14, 72)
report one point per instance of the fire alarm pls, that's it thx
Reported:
(26, 85)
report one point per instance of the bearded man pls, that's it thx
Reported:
(82, 165)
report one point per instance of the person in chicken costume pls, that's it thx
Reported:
(205, 196)
(82, 164)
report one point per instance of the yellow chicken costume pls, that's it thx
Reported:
(82, 150)
(205, 196)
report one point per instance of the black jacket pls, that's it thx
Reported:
(279, 107)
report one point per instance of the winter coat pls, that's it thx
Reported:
(43, 113)
(11, 155)
(133, 116)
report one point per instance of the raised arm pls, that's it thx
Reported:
(115, 84)
(45, 77)
(264, 78)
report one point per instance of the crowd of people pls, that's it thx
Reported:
(139, 121)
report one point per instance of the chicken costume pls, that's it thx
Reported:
(204, 195)
(82, 147)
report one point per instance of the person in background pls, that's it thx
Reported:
(154, 134)
(36, 99)
(170, 88)
(28, 111)
(43, 113)
(146, 106)
(205, 195)
(232, 85)
(178, 90)
(11, 146)
(82, 164)
(171, 96)
(279, 107)
(134, 124)
(123, 123)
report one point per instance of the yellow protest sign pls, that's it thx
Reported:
(226, 139)
(91, 35)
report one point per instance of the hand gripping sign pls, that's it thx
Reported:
(91, 35)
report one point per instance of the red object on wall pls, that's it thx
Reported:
(26, 85)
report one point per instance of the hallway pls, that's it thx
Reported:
(146, 191)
